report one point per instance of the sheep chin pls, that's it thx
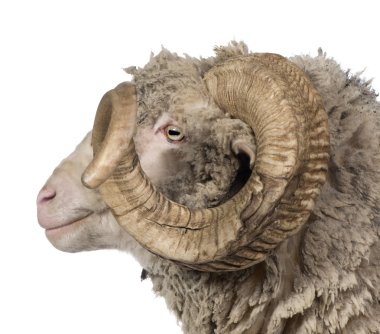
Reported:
(56, 234)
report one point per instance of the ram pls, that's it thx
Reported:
(246, 185)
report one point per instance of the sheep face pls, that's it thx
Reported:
(164, 159)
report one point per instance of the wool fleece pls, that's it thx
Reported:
(324, 279)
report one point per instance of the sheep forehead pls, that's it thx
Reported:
(168, 83)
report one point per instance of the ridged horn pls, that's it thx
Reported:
(277, 100)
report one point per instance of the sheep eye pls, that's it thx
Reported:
(174, 133)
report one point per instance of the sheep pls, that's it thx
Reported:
(323, 277)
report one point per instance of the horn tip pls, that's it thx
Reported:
(89, 180)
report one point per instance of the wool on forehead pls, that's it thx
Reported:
(170, 83)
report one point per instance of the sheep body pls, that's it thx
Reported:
(324, 279)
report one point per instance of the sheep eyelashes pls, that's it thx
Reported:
(297, 252)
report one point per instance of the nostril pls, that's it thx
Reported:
(45, 195)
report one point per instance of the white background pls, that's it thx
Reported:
(57, 58)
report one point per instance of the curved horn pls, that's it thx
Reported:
(275, 98)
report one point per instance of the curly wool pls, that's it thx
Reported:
(326, 278)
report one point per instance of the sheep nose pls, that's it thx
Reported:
(45, 196)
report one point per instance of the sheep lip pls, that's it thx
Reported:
(69, 223)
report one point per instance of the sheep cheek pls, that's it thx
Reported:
(151, 147)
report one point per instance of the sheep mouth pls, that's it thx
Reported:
(71, 224)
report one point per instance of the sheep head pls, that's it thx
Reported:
(289, 165)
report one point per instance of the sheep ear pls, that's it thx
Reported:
(238, 137)
(246, 147)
